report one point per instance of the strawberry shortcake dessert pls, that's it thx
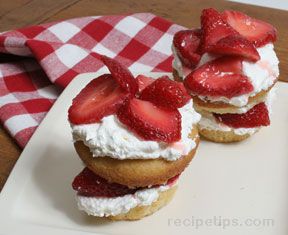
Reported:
(229, 67)
(135, 136)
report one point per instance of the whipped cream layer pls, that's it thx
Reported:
(103, 206)
(111, 138)
(261, 74)
(209, 122)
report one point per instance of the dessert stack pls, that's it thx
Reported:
(135, 136)
(229, 67)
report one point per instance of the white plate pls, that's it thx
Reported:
(244, 185)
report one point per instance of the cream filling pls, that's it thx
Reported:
(111, 138)
(261, 74)
(103, 206)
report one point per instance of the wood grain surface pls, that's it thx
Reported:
(19, 13)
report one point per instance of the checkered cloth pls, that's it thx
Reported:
(49, 56)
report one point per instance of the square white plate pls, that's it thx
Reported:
(228, 189)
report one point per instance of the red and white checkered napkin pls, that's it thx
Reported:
(54, 53)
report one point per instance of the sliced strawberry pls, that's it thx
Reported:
(100, 98)
(186, 43)
(214, 28)
(143, 82)
(170, 181)
(256, 31)
(255, 117)
(121, 74)
(166, 93)
(219, 77)
(151, 122)
(91, 185)
(173, 180)
(235, 45)
(88, 184)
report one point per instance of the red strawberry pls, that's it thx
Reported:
(214, 28)
(173, 179)
(219, 77)
(166, 93)
(256, 31)
(151, 122)
(255, 117)
(91, 185)
(235, 45)
(186, 43)
(170, 181)
(121, 74)
(100, 98)
(143, 82)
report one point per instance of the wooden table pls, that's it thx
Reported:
(19, 13)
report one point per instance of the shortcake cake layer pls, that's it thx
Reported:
(136, 172)
(222, 136)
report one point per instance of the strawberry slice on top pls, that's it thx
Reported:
(219, 77)
(256, 31)
(143, 82)
(100, 98)
(186, 44)
(166, 93)
(255, 117)
(150, 122)
(214, 28)
(235, 45)
(220, 38)
(121, 74)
